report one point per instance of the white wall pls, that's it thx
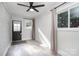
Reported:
(43, 28)
(5, 30)
(68, 42)
(67, 39)
(26, 33)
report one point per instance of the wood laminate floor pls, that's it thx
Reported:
(28, 48)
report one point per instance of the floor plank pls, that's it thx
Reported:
(28, 48)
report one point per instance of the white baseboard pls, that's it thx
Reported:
(6, 49)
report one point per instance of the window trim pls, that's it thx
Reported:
(64, 10)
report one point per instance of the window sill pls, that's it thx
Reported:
(67, 29)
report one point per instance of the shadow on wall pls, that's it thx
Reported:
(43, 39)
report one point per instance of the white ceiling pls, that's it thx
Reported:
(20, 11)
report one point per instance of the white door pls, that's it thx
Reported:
(26, 29)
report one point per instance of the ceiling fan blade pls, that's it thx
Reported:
(28, 9)
(36, 10)
(39, 6)
(22, 5)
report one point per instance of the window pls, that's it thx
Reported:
(16, 26)
(69, 18)
(28, 24)
(63, 19)
(74, 17)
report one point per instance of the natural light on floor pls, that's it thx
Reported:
(43, 39)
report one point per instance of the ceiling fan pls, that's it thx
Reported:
(31, 7)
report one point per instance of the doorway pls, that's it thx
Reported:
(16, 30)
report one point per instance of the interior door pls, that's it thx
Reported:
(16, 30)
(26, 29)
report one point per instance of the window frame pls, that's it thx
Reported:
(68, 10)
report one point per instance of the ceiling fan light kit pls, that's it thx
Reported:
(31, 7)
